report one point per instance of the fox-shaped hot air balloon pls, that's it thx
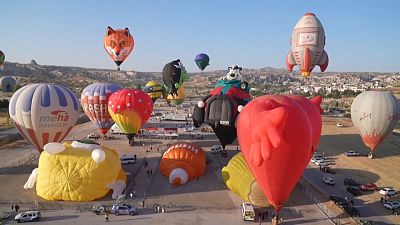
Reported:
(119, 44)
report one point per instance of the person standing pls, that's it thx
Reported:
(16, 208)
(12, 207)
(106, 217)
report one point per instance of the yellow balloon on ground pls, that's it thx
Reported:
(239, 179)
(75, 174)
(177, 99)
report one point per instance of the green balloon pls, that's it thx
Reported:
(2, 57)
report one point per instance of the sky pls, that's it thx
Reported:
(361, 35)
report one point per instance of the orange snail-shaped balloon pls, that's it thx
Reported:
(182, 162)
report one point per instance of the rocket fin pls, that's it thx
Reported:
(323, 62)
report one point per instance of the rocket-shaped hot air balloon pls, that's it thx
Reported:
(307, 42)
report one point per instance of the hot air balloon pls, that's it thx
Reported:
(202, 61)
(178, 98)
(130, 109)
(220, 108)
(118, 44)
(76, 171)
(154, 90)
(307, 42)
(278, 149)
(94, 100)
(44, 113)
(2, 58)
(183, 162)
(375, 114)
(239, 179)
(7, 84)
(174, 74)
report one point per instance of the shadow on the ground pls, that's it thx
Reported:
(55, 218)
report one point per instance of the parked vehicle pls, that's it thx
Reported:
(248, 213)
(339, 200)
(199, 136)
(98, 209)
(388, 192)
(127, 159)
(123, 210)
(392, 205)
(328, 180)
(354, 190)
(216, 149)
(327, 169)
(351, 153)
(351, 182)
(29, 216)
(317, 157)
(368, 187)
(93, 136)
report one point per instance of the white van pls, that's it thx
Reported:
(248, 213)
(216, 148)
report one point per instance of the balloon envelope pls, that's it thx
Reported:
(174, 74)
(2, 58)
(375, 114)
(94, 100)
(239, 179)
(154, 90)
(118, 44)
(44, 113)
(202, 61)
(130, 109)
(277, 149)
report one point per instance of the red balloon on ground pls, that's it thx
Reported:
(277, 135)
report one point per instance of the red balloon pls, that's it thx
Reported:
(277, 135)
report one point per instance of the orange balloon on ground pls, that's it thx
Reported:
(118, 44)
(183, 162)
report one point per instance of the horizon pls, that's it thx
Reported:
(257, 34)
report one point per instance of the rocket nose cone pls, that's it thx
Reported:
(309, 14)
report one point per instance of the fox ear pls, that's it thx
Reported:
(126, 31)
(110, 31)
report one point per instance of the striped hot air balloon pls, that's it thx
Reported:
(375, 114)
(44, 113)
(94, 100)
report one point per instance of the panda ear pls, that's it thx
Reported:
(229, 68)
(240, 68)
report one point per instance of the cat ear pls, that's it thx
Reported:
(126, 32)
(109, 31)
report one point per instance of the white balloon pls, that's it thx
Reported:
(53, 148)
(179, 173)
(200, 104)
(98, 155)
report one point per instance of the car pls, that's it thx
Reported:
(128, 159)
(216, 148)
(93, 136)
(317, 157)
(318, 154)
(99, 209)
(339, 200)
(351, 182)
(248, 213)
(328, 180)
(327, 169)
(123, 210)
(354, 190)
(351, 153)
(388, 192)
(368, 187)
(319, 161)
(29, 216)
(392, 205)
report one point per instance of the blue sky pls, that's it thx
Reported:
(361, 35)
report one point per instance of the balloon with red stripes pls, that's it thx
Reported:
(44, 113)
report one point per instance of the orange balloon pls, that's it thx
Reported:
(182, 162)
(118, 44)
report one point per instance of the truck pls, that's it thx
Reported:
(174, 117)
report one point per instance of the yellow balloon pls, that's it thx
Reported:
(239, 179)
(73, 175)
(179, 98)
(128, 121)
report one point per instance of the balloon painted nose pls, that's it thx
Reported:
(232, 75)
(117, 53)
